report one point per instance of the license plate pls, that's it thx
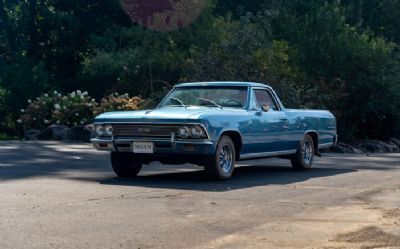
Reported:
(143, 147)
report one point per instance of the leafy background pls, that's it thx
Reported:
(336, 55)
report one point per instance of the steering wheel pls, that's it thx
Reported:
(233, 101)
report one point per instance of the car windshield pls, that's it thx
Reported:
(214, 96)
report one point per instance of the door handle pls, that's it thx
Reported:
(284, 119)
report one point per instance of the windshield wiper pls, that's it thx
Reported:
(211, 102)
(180, 102)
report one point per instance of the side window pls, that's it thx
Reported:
(264, 97)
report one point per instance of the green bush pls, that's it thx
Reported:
(3, 96)
(6, 137)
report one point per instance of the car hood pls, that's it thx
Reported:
(165, 114)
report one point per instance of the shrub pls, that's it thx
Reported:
(116, 102)
(5, 137)
(3, 112)
(39, 113)
(76, 108)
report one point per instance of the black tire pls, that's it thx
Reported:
(221, 165)
(304, 157)
(124, 164)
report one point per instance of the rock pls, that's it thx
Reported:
(372, 146)
(358, 150)
(347, 148)
(387, 148)
(395, 141)
(32, 134)
(53, 132)
(376, 146)
(78, 133)
(395, 147)
(342, 148)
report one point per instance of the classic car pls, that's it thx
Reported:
(214, 125)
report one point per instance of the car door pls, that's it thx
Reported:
(269, 125)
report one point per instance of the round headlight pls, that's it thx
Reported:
(196, 132)
(183, 132)
(100, 130)
(104, 130)
(108, 130)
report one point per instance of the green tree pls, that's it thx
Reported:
(342, 55)
(348, 71)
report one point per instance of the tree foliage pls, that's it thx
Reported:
(342, 55)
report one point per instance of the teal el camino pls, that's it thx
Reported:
(214, 125)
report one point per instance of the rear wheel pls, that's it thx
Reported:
(125, 165)
(304, 157)
(221, 165)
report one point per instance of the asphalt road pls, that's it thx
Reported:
(54, 195)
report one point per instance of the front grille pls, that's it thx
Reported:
(141, 130)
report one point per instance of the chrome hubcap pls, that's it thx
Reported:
(307, 151)
(226, 159)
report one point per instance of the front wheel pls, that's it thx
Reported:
(125, 165)
(221, 165)
(304, 157)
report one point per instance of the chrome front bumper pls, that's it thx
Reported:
(162, 146)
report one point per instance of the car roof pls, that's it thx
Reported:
(222, 83)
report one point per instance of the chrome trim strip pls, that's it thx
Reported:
(165, 98)
(131, 140)
(336, 141)
(326, 145)
(266, 154)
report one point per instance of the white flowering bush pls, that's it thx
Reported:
(76, 108)
(73, 109)
(39, 113)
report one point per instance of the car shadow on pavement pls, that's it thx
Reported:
(245, 177)
(31, 159)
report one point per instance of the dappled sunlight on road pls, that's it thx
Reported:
(71, 189)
